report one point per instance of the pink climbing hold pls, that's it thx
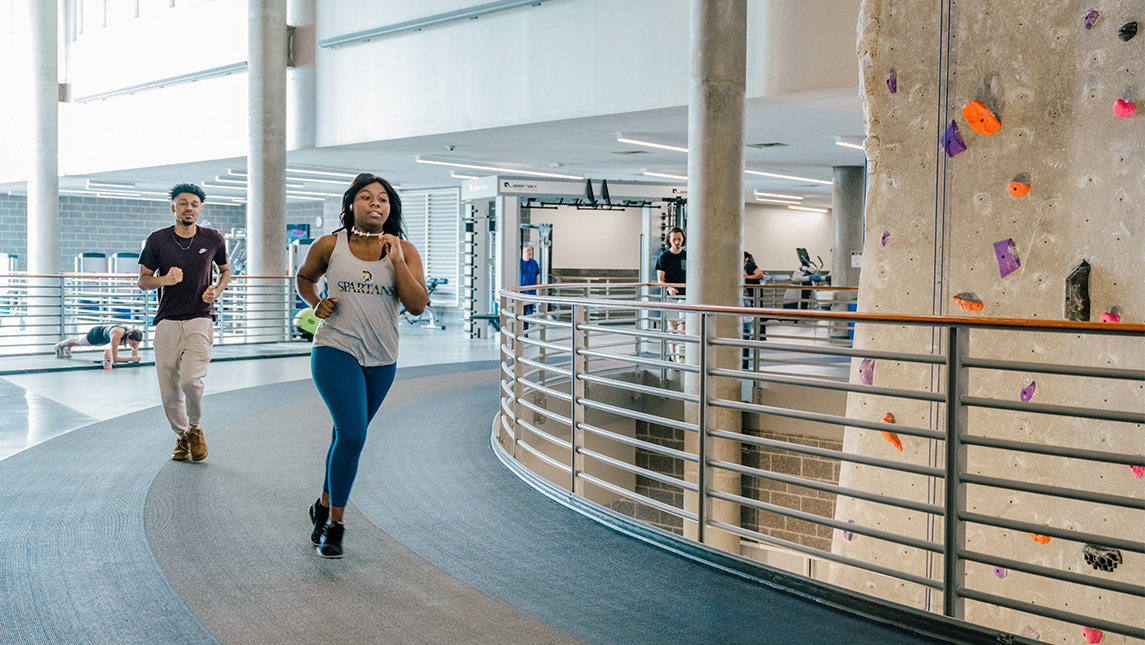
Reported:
(1000, 572)
(1138, 471)
(1110, 317)
(1091, 635)
(867, 371)
(847, 535)
(886, 235)
(1030, 633)
(1027, 392)
(1123, 109)
(893, 82)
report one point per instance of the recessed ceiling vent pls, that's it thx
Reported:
(629, 152)
(772, 144)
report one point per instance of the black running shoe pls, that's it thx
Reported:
(318, 516)
(331, 543)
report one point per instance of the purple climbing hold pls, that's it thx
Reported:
(847, 535)
(1000, 572)
(1090, 18)
(1006, 253)
(952, 141)
(1027, 392)
(867, 371)
(885, 236)
(893, 82)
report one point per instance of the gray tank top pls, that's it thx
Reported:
(365, 319)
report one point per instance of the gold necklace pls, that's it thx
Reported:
(192, 241)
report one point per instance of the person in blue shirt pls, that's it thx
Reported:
(530, 271)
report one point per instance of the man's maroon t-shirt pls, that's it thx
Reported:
(184, 301)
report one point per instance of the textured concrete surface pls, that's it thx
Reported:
(1052, 84)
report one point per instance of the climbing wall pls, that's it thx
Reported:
(1006, 148)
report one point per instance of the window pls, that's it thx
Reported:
(432, 223)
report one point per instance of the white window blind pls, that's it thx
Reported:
(432, 222)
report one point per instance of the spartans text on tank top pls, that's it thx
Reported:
(365, 319)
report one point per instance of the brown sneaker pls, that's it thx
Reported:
(181, 451)
(196, 444)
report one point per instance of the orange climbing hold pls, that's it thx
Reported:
(968, 304)
(980, 118)
(890, 436)
(1040, 539)
(1018, 189)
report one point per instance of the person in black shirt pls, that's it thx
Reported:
(672, 269)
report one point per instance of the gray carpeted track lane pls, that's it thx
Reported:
(232, 536)
(437, 487)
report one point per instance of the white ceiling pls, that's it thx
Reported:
(808, 125)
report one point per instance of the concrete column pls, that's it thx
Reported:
(266, 161)
(715, 222)
(44, 183)
(301, 94)
(847, 219)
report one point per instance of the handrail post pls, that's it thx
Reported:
(518, 370)
(954, 530)
(577, 390)
(704, 474)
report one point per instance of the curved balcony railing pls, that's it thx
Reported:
(743, 429)
(37, 311)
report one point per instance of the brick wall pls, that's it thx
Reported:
(790, 496)
(97, 225)
(670, 438)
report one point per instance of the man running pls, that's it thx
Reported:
(178, 260)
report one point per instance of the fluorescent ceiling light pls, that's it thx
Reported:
(666, 175)
(310, 192)
(805, 208)
(495, 168)
(92, 183)
(778, 176)
(206, 185)
(323, 173)
(308, 199)
(778, 195)
(846, 144)
(775, 201)
(649, 144)
(460, 176)
(228, 180)
(319, 181)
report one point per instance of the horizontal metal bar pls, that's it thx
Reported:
(826, 555)
(543, 457)
(828, 488)
(564, 396)
(1056, 451)
(624, 492)
(543, 366)
(1095, 582)
(643, 389)
(544, 435)
(544, 321)
(650, 362)
(831, 351)
(1053, 531)
(550, 346)
(877, 426)
(507, 410)
(1056, 368)
(1093, 621)
(505, 426)
(1055, 491)
(646, 334)
(1060, 410)
(830, 385)
(640, 416)
(638, 443)
(837, 455)
(545, 413)
(637, 470)
(825, 521)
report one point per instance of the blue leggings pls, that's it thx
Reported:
(353, 395)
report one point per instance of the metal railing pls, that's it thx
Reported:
(37, 311)
(760, 437)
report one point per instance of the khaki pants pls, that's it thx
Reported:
(182, 353)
